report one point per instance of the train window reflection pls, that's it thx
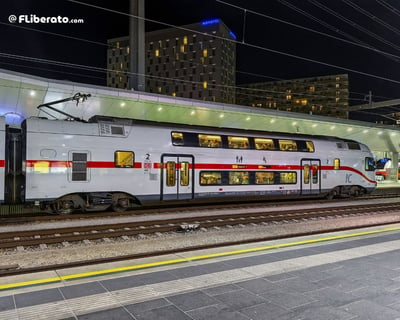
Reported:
(238, 142)
(265, 178)
(287, 145)
(210, 178)
(210, 141)
(264, 144)
(238, 177)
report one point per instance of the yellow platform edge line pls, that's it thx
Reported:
(183, 260)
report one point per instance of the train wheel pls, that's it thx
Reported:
(120, 204)
(355, 191)
(63, 207)
(332, 194)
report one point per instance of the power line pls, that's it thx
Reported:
(389, 7)
(337, 30)
(372, 17)
(105, 70)
(353, 24)
(251, 45)
(356, 42)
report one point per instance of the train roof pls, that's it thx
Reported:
(133, 122)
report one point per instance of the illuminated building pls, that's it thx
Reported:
(323, 95)
(193, 61)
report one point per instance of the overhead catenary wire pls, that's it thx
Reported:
(388, 6)
(371, 16)
(250, 45)
(353, 24)
(167, 79)
(337, 30)
(104, 70)
(355, 41)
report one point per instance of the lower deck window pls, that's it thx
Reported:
(210, 178)
(287, 177)
(265, 178)
(238, 177)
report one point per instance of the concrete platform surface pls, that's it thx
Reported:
(334, 276)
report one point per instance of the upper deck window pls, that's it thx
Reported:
(310, 146)
(287, 145)
(353, 146)
(177, 138)
(210, 141)
(264, 144)
(238, 142)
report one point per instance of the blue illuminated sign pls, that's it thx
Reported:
(209, 21)
(232, 35)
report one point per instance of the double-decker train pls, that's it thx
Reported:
(118, 163)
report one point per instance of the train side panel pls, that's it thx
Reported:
(108, 163)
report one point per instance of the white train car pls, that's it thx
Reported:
(2, 156)
(120, 162)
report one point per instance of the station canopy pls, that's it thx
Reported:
(21, 94)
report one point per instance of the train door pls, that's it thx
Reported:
(310, 176)
(177, 177)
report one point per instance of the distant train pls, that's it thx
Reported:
(119, 163)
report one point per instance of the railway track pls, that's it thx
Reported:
(67, 235)
(273, 217)
(14, 217)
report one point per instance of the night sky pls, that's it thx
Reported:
(274, 40)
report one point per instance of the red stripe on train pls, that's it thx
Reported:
(198, 166)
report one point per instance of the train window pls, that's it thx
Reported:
(314, 172)
(41, 166)
(124, 159)
(117, 130)
(238, 142)
(340, 145)
(310, 146)
(238, 177)
(79, 167)
(171, 173)
(177, 138)
(265, 177)
(184, 172)
(210, 141)
(287, 145)
(287, 177)
(336, 164)
(353, 146)
(264, 144)
(306, 173)
(210, 178)
(369, 164)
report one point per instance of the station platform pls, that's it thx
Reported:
(345, 275)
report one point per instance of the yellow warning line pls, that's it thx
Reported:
(182, 260)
